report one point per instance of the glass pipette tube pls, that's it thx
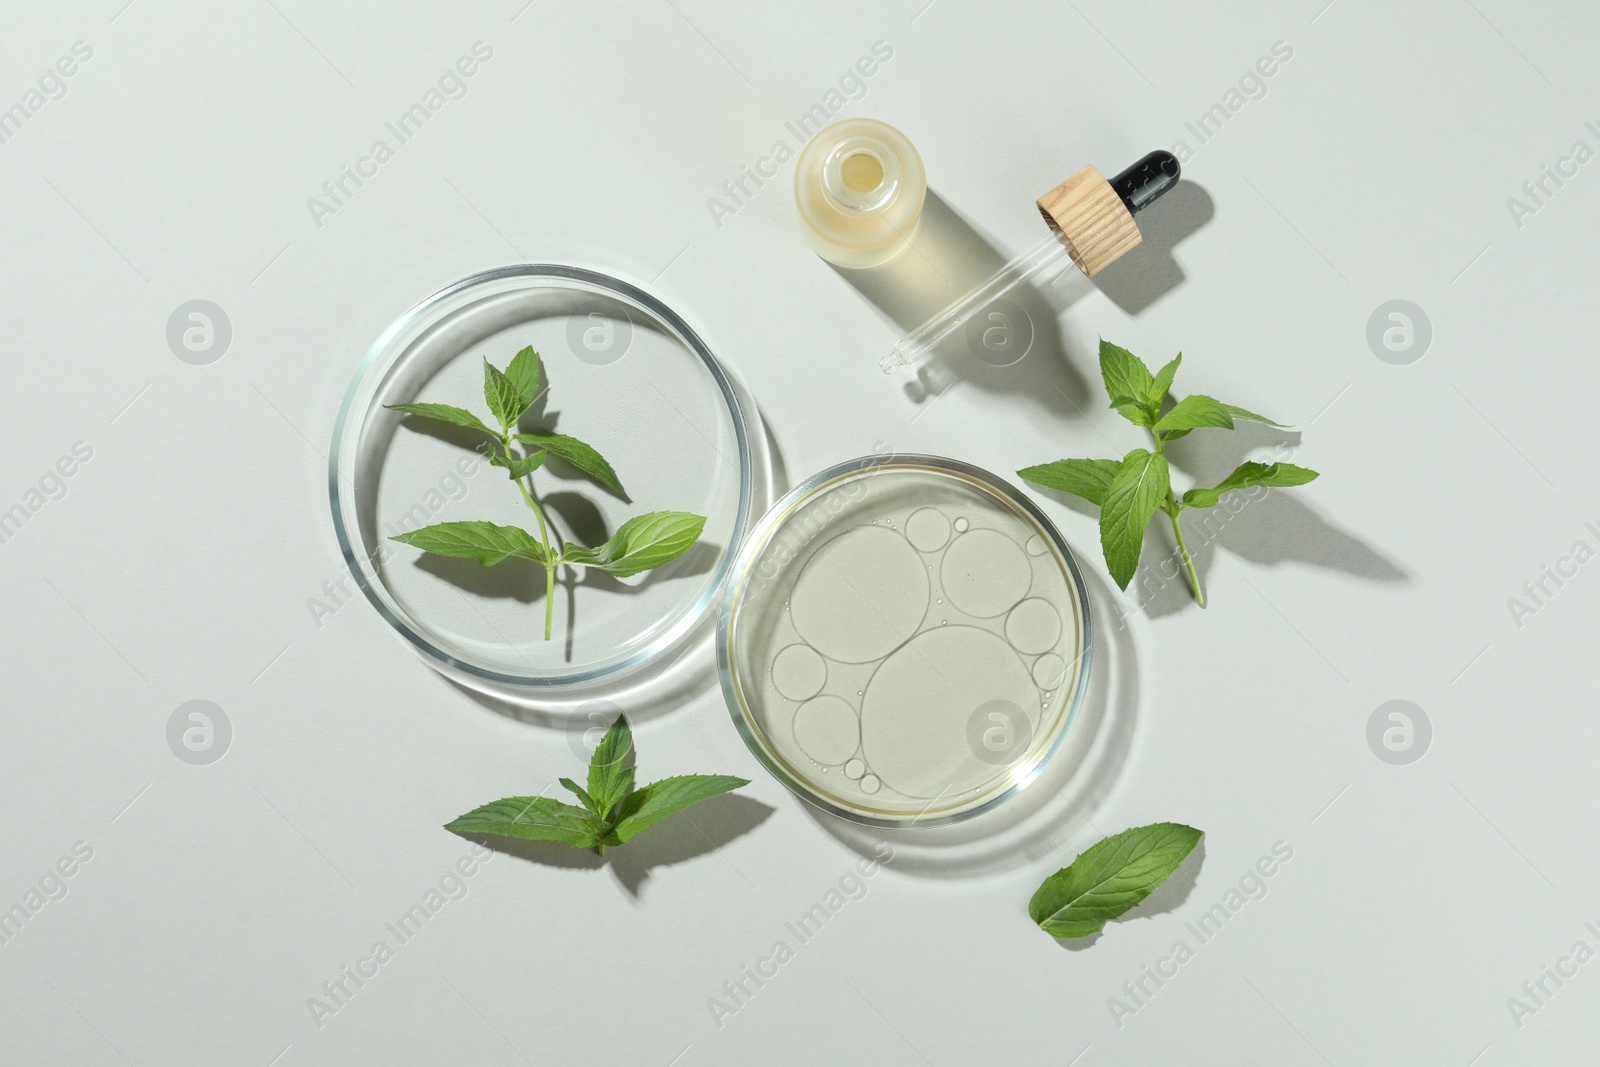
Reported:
(1091, 224)
(1049, 255)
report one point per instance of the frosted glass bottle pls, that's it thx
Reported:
(859, 186)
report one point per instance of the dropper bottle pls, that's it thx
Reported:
(1091, 225)
(859, 186)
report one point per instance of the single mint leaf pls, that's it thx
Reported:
(1139, 488)
(519, 469)
(657, 800)
(575, 452)
(1109, 878)
(525, 372)
(504, 400)
(1124, 374)
(1088, 478)
(531, 819)
(640, 544)
(609, 778)
(443, 413)
(1193, 412)
(1246, 475)
(1241, 413)
(1135, 411)
(1163, 381)
(579, 792)
(483, 541)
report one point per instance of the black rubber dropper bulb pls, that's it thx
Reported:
(1147, 180)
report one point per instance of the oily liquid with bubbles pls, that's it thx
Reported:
(907, 641)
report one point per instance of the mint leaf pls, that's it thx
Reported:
(609, 779)
(1124, 373)
(443, 413)
(531, 819)
(1140, 486)
(1193, 412)
(575, 452)
(1163, 381)
(483, 541)
(657, 800)
(1135, 411)
(615, 812)
(1109, 878)
(519, 469)
(504, 399)
(1241, 413)
(1246, 475)
(524, 372)
(579, 792)
(640, 544)
(1088, 478)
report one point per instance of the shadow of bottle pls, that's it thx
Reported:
(1013, 346)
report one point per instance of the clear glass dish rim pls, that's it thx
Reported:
(757, 539)
(349, 419)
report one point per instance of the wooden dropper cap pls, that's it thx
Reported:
(1095, 217)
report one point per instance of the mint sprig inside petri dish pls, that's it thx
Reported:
(642, 543)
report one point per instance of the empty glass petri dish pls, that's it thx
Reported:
(905, 640)
(626, 375)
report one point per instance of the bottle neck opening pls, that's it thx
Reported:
(860, 176)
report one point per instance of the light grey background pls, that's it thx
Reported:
(180, 563)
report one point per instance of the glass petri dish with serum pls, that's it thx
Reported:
(905, 641)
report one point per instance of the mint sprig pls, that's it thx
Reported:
(1109, 878)
(642, 543)
(1131, 490)
(612, 811)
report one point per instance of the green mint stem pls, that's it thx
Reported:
(1172, 508)
(544, 539)
(1183, 549)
